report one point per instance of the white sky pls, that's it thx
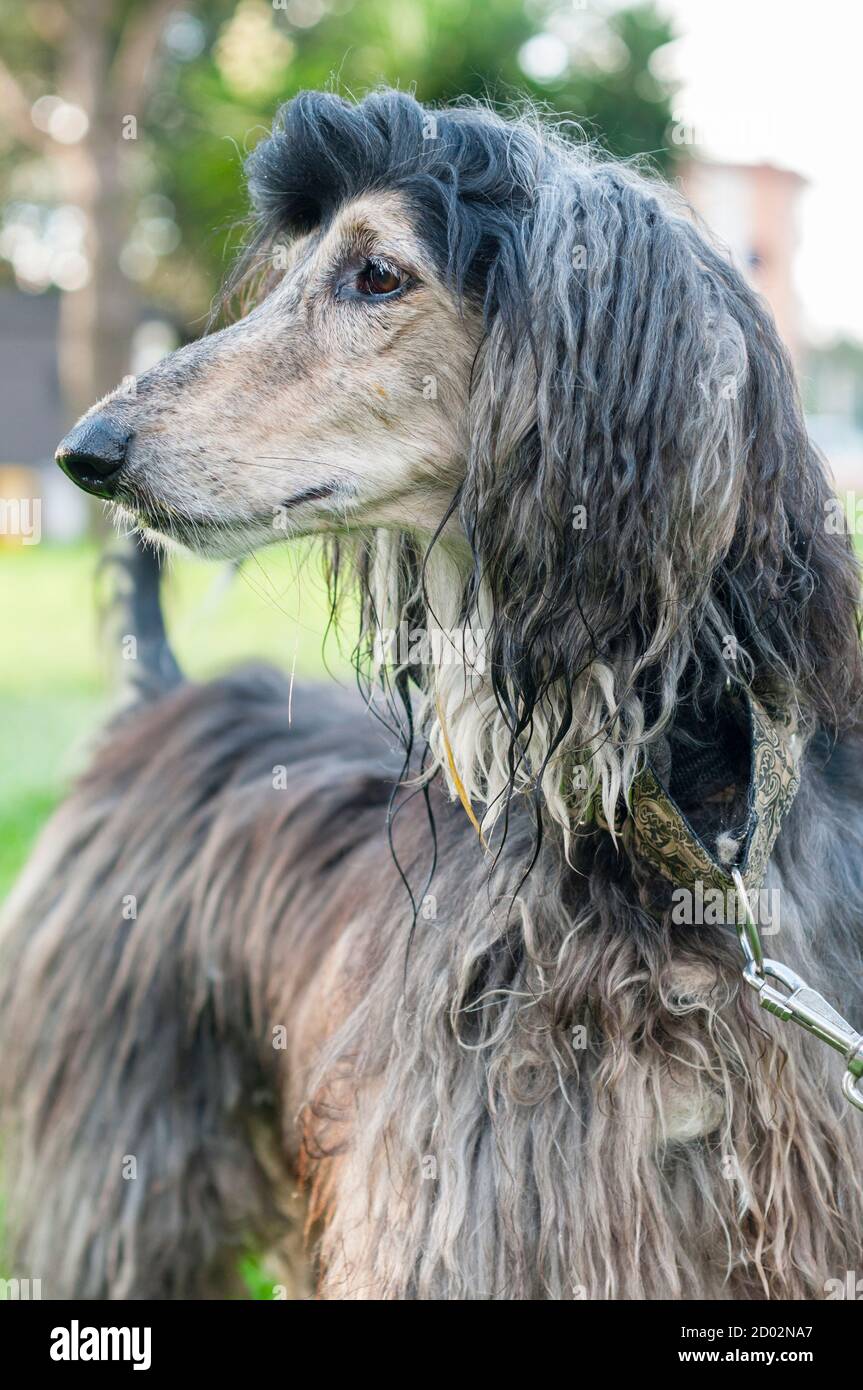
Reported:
(782, 80)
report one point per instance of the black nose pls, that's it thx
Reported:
(92, 454)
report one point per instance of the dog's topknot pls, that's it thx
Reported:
(468, 176)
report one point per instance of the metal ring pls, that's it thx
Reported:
(851, 1090)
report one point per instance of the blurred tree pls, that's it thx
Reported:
(85, 71)
(596, 68)
(832, 382)
(133, 116)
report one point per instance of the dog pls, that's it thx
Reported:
(403, 1000)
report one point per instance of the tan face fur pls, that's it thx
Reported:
(316, 412)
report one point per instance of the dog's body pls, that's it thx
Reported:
(545, 1087)
(255, 1016)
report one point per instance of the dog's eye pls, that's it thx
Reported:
(379, 279)
(372, 280)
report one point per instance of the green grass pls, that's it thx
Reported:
(54, 681)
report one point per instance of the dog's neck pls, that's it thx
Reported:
(468, 734)
(608, 756)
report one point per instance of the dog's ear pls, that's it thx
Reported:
(640, 487)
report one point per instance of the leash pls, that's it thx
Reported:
(666, 840)
(801, 1004)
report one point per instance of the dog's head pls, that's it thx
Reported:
(341, 400)
(476, 331)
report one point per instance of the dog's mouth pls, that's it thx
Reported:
(212, 534)
(310, 494)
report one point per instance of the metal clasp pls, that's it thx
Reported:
(797, 1003)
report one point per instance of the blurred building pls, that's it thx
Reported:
(31, 406)
(752, 208)
(832, 385)
(34, 417)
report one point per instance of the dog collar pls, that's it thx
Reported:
(661, 835)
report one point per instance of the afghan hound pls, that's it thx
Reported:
(399, 988)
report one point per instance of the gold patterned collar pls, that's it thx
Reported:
(660, 833)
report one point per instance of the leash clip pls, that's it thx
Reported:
(795, 1002)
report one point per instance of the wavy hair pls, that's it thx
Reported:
(644, 509)
(561, 1096)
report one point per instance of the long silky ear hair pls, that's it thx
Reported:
(646, 516)
(645, 511)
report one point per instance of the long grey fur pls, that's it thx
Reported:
(540, 1091)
